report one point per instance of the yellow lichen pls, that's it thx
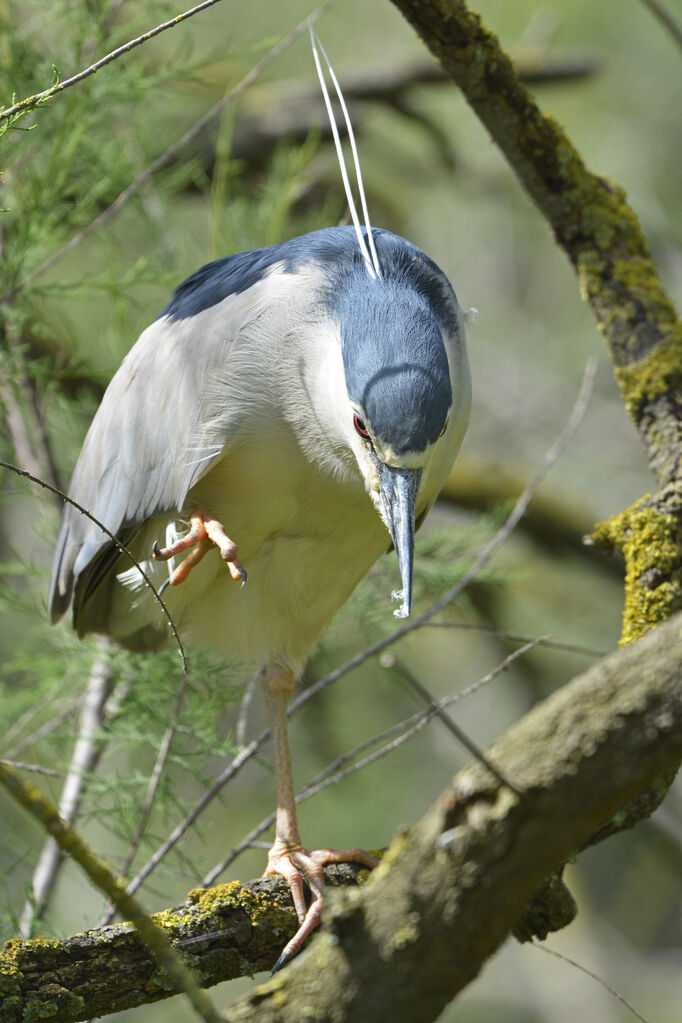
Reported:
(648, 539)
(405, 935)
(648, 378)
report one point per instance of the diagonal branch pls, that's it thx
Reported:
(447, 892)
(603, 239)
(86, 754)
(33, 101)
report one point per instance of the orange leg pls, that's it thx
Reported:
(205, 532)
(287, 856)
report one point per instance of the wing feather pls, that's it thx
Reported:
(156, 432)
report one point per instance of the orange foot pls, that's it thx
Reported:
(295, 863)
(205, 532)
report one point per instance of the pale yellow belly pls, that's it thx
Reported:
(304, 539)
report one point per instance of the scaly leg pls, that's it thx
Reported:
(287, 856)
(205, 532)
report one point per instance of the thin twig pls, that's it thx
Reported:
(452, 726)
(45, 729)
(156, 775)
(16, 427)
(245, 707)
(589, 973)
(69, 841)
(39, 458)
(336, 771)
(172, 151)
(24, 416)
(32, 101)
(86, 753)
(546, 641)
(19, 765)
(114, 539)
(176, 834)
(666, 19)
(408, 728)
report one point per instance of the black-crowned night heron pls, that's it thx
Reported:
(291, 404)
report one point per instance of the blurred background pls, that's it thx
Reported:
(260, 171)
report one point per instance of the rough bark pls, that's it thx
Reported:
(227, 931)
(447, 893)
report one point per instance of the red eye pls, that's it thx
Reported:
(360, 426)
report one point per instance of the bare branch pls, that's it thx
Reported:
(19, 765)
(33, 101)
(153, 937)
(17, 427)
(114, 539)
(86, 754)
(45, 729)
(546, 641)
(170, 154)
(157, 773)
(666, 19)
(452, 726)
(245, 707)
(23, 414)
(589, 973)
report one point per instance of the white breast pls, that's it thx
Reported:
(304, 539)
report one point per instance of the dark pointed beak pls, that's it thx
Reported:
(399, 489)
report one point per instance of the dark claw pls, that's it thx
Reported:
(163, 586)
(156, 552)
(282, 961)
(243, 582)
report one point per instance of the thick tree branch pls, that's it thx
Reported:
(602, 237)
(228, 931)
(447, 893)
(449, 890)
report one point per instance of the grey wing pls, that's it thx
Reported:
(152, 437)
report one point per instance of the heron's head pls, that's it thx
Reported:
(400, 404)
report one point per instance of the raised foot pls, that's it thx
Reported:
(204, 533)
(296, 864)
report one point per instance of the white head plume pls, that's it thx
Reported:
(370, 255)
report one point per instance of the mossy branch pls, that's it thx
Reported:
(601, 235)
(229, 931)
(179, 977)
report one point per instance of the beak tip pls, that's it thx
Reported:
(399, 488)
(404, 610)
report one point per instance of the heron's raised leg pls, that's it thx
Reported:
(287, 856)
(205, 532)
